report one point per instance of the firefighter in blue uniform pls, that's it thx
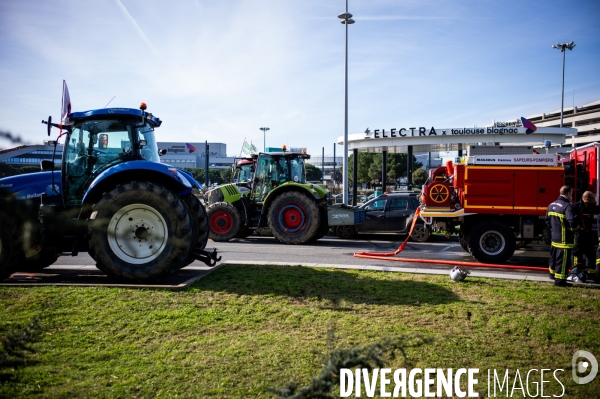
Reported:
(585, 238)
(562, 224)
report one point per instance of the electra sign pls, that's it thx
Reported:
(500, 128)
(421, 131)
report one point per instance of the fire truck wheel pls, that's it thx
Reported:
(140, 231)
(462, 239)
(491, 241)
(420, 233)
(6, 247)
(345, 232)
(294, 218)
(224, 221)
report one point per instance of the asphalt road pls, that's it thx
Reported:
(331, 250)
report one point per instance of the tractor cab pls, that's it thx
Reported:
(100, 139)
(276, 168)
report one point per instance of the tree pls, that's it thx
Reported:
(214, 175)
(29, 169)
(227, 175)
(6, 170)
(197, 174)
(369, 167)
(419, 176)
(313, 173)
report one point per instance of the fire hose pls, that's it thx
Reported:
(391, 256)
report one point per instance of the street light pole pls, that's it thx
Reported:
(562, 47)
(346, 18)
(264, 129)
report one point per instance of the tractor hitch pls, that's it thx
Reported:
(209, 258)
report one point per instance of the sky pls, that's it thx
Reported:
(220, 70)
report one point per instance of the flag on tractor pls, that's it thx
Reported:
(65, 110)
(248, 149)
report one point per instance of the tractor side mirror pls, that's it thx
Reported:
(46, 165)
(143, 143)
(49, 125)
(162, 152)
(51, 143)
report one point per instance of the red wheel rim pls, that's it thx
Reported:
(221, 222)
(292, 218)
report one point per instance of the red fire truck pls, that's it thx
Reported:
(496, 202)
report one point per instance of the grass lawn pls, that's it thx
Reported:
(243, 329)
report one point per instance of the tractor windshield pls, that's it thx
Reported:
(297, 169)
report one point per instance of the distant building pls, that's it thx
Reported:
(180, 155)
(192, 155)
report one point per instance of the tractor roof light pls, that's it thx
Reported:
(143, 106)
(284, 147)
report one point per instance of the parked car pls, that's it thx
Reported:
(389, 213)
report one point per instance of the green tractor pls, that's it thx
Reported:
(279, 199)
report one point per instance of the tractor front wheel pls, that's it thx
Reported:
(294, 218)
(140, 231)
(224, 221)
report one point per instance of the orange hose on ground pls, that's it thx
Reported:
(454, 263)
(388, 256)
(400, 248)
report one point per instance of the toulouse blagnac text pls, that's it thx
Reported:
(412, 131)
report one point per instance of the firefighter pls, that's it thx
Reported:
(562, 224)
(585, 238)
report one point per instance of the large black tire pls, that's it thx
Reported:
(324, 227)
(6, 246)
(140, 231)
(420, 233)
(200, 223)
(224, 221)
(294, 218)
(491, 241)
(346, 232)
(462, 240)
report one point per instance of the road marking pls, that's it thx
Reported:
(447, 248)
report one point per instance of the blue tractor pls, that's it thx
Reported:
(136, 217)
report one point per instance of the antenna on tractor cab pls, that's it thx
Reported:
(109, 101)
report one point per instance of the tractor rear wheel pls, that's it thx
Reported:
(294, 218)
(224, 221)
(140, 231)
(200, 222)
(324, 227)
(491, 241)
